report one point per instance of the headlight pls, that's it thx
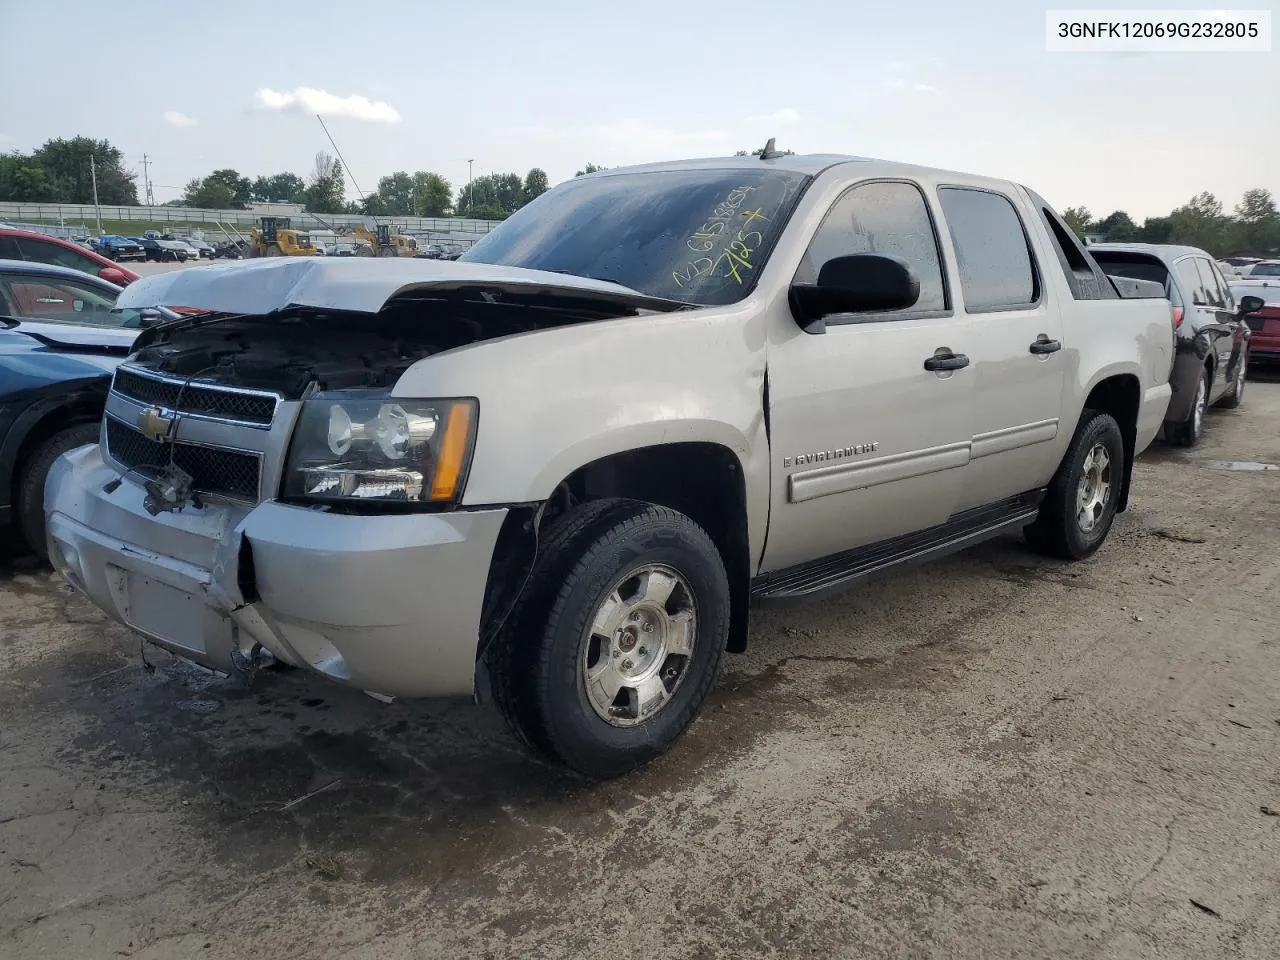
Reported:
(363, 445)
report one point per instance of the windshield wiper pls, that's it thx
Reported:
(589, 276)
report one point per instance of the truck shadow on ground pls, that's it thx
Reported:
(282, 768)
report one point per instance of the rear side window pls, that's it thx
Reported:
(41, 251)
(882, 217)
(1139, 266)
(992, 253)
(1189, 280)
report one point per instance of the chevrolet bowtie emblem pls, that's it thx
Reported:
(156, 424)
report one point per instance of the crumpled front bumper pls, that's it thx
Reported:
(387, 604)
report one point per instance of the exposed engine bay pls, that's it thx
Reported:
(336, 351)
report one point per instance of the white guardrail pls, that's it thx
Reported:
(69, 215)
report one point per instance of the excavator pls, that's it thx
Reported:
(275, 237)
(383, 243)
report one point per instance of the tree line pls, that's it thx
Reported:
(62, 171)
(1252, 229)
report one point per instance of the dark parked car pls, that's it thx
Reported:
(119, 248)
(1212, 349)
(61, 337)
(164, 250)
(38, 248)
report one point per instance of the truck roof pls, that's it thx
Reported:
(1166, 252)
(810, 164)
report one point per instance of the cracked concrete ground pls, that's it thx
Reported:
(993, 756)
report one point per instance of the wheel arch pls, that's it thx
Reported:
(40, 421)
(703, 480)
(1119, 394)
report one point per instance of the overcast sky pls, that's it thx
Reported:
(413, 85)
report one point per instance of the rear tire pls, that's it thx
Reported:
(1188, 434)
(30, 505)
(1080, 504)
(616, 640)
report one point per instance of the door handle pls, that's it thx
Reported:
(946, 361)
(1042, 345)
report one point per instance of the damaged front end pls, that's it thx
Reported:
(258, 487)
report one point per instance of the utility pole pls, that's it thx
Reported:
(471, 195)
(151, 200)
(93, 173)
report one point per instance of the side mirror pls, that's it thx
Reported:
(112, 275)
(1251, 304)
(860, 283)
(148, 317)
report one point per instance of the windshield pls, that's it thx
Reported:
(700, 236)
(1265, 270)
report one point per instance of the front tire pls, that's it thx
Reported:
(1080, 504)
(617, 639)
(30, 505)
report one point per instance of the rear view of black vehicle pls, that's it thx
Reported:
(1212, 344)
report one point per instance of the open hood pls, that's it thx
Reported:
(363, 285)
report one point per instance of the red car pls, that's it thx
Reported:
(1264, 324)
(38, 248)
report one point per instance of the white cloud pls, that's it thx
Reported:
(924, 88)
(176, 118)
(311, 100)
(785, 115)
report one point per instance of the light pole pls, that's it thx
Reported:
(471, 195)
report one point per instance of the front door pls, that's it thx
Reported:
(1225, 327)
(866, 443)
(1016, 335)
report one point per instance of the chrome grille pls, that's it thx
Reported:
(219, 403)
(213, 470)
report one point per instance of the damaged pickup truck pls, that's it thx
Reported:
(559, 470)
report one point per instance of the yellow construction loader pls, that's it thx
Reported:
(383, 243)
(275, 237)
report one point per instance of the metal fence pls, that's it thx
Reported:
(68, 215)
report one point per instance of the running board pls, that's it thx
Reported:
(961, 531)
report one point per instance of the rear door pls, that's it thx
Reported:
(866, 443)
(1015, 331)
(1227, 329)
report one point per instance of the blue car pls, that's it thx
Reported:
(61, 337)
(119, 248)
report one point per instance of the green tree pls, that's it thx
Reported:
(433, 194)
(326, 190)
(1256, 228)
(501, 191)
(207, 194)
(1078, 219)
(535, 184)
(1117, 227)
(24, 180)
(241, 187)
(278, 188)
(67, 164)
(1155, 230)
(589, 168)
(1200, 223)
(396, 194)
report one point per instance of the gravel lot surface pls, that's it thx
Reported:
(995, 756)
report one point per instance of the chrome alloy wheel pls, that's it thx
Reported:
(639, 645)
(1095, 488)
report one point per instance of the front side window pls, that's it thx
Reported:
(57, 301)
(881, 217)
(1213, 293)
(1265, 270)
(992, 253)
(698, 236)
